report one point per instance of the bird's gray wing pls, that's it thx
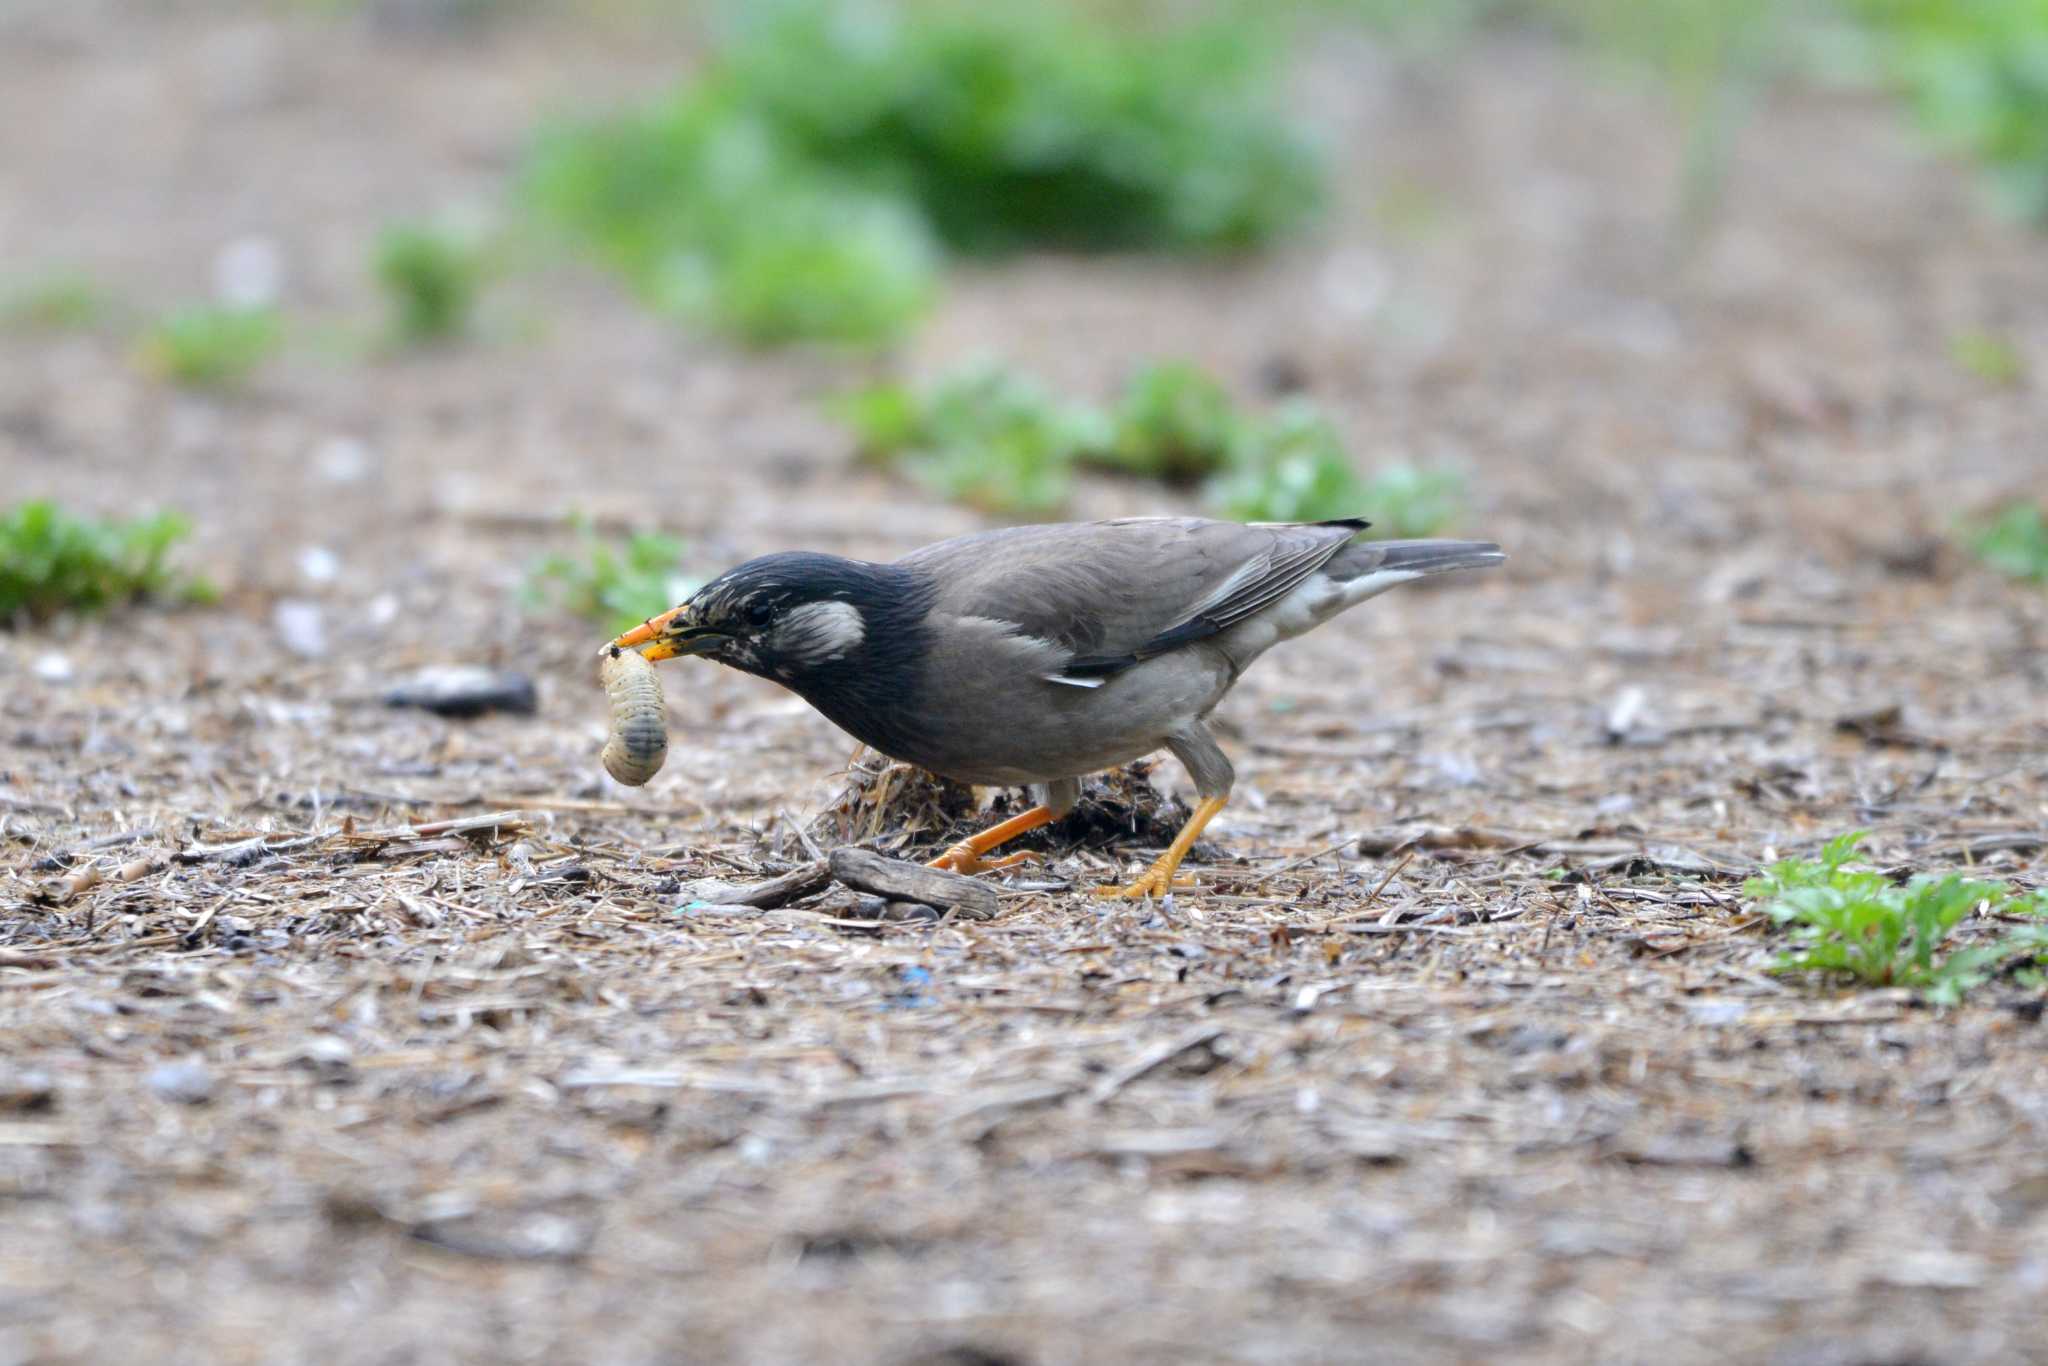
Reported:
(1113, 593)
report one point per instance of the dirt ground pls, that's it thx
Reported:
(293, 1083)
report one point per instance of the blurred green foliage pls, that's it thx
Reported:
(53, 562)
(1002, 443)
(62, 301)
(2014, 542)
(1294, 469)
(430, 277)
(1029, 125)
(1406, 501)
(1174, 423)
(1976, 72)
(798, 188)
(613, 587)
(1707, 55)
(1990, 358)
(211, 346)
(707, 210)
(986, 437)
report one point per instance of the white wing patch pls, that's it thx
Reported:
(819, 633)
(1073, 682)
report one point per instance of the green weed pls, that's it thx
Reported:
(1976, 72)
(1001, 442)
(1028, 125)
(799, 188)
(1990, 358)
(210, 346)
(613, 587)
(2015, 542)
(1294, 470)
(430, 277)
(1404, 502)
(64, 301)
(712, 217)
(985, 437)
(1174, 423)
(52, 562)
(1860, 924)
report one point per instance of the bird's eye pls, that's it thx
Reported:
(758, 613)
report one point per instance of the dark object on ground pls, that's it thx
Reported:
(465, 690)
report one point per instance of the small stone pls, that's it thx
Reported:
(341, 460)
(318, 564)
(28, 1092)
(325, 1050)
(906, 911)
(52, 667)
(249, 272)
(465, 690)
(187, 1082)
(302, 626)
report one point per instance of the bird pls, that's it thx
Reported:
(1032, 656)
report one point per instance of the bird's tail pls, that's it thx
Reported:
(1392, 562)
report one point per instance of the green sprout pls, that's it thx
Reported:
(985, 437)
(1860, 924)
(209, 346)
(64, 301)
(613, 587)
(430, 277)
(2014, 542)
(52, 562)
(1990, 358)
(1403, 502)
(1001, 442)
(1295, 470)
(1175, 423)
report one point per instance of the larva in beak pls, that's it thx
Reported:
(639, 739)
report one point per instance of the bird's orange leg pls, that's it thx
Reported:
(1158, 879)
(966, 856)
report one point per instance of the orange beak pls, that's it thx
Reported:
(668, 636)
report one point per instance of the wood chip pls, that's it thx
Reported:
(866, 871)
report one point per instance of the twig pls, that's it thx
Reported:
(1151, 1061)
(793, 885)
(1392, 873)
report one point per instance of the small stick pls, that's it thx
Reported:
(1146, 1063)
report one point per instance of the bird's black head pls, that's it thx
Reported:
(789, 617)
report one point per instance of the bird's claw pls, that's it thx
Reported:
(1153, 882)
(965, 861)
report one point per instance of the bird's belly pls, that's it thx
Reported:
(1030, 730)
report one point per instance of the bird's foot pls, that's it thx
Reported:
(963, 859)
(1156, 881)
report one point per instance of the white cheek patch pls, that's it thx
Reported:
(819, 633)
